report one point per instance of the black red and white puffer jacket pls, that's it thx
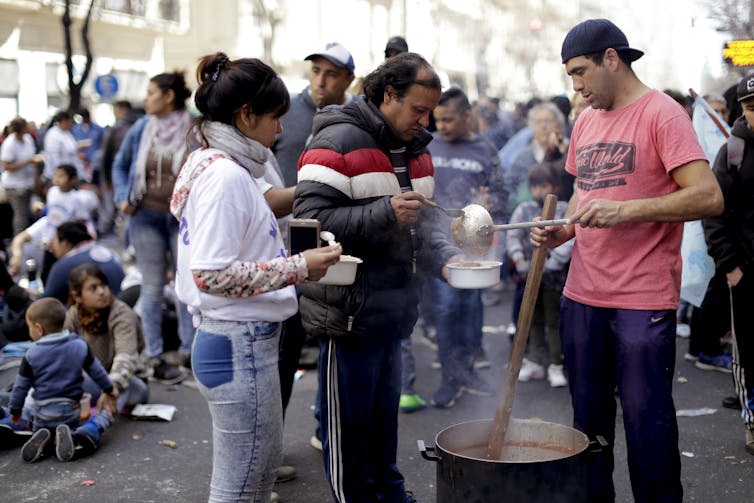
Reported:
(345, 181)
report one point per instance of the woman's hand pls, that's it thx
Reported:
(108, 402)
(128, 209)
(319, 259)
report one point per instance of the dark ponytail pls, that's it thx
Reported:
(175, 81)
(226, 85)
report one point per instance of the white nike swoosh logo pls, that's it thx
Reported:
(655, 320)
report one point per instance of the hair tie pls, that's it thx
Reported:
(219, 67)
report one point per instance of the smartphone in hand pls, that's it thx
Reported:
(303, 234)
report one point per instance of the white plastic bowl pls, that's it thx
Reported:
(343, 272)
(473, 274)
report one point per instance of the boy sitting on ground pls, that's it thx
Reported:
(52, 366)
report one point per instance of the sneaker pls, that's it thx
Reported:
(555, 376)
(750, 441)
(721, 363)
(34, 448)
(683, 330)
(12, 436)
(411, 403)
(731, 402)
(165, 373)
(286, 473)
(83, 444)
(530, 370)
(315, 442)
(476, 385)
(274, 497)
(480, 359)
(63, 443)
(446, 396)
(691, 357)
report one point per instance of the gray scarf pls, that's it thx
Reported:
(250, 154)
(224, 142)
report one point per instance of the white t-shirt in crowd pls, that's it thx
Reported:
(14, 150)
(63, 207)
(226, 218)
(60, 147)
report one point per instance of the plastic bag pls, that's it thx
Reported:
(698, 266)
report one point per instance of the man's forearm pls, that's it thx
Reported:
(689, 203)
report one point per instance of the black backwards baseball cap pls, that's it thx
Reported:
(596, 35)
(335, 54)
(745, 89)
(396, 45)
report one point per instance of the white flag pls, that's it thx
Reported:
(710, 136)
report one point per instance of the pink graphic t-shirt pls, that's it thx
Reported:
(621, 155)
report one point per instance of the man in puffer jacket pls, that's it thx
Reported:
(730, 239)
(364, 176)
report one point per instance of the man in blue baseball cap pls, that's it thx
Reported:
(640, 173)
(330, 75)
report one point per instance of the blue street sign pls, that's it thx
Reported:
(106, 86)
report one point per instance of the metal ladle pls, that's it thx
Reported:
(486, 230)
(465, 229)
(473, 233)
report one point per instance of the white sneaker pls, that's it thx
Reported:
(275, 497)
(315, 442)
(530, 370)
(555, 376)
(683, 330)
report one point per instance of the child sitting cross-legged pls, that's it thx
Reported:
(53, 367)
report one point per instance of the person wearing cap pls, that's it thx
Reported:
(330, 75)
(395, 46)
(730, 240)
(364, 176)
(640, 173)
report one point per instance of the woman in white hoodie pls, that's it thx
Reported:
(234, 274)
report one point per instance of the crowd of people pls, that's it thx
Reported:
(204, 204)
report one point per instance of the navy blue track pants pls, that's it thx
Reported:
(633, 350)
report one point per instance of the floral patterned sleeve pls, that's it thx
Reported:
(244, 279)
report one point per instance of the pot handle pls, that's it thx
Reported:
(426, 451)
(597, 445)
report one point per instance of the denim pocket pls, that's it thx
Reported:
(261, 330)
(212, 359)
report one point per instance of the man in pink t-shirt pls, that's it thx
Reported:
(640, 173)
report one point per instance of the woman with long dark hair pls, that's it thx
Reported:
(234, 274)
(144, 173)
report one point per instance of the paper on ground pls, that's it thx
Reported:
(154, 411)
(704, 411)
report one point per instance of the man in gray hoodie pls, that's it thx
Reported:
(330, 75)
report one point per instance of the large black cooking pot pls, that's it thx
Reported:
(541, 462)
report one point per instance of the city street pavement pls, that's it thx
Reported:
(132, 465)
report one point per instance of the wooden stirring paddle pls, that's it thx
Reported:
(525, 315)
